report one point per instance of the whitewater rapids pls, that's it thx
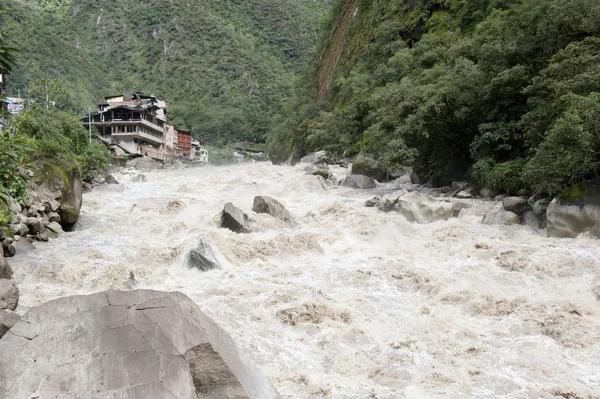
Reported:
(352, 303)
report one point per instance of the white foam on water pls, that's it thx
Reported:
(353, 303)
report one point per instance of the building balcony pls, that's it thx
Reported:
(137, 135)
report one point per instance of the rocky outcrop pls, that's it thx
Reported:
(71, 198)
(234, 219)
(367, 166)
(516, 205)
(575, 211)
(358, 182)
(8, 319)
(319, 158)
(9, 295)
(416, 207)
(5, 269)
(499, 215)
(137, 345)
(202, 257)
(265, 204)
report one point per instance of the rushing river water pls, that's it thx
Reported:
(352, 303)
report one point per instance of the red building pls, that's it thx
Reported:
(184, 141)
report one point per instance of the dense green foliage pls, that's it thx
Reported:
(226, 67)
(503, 91)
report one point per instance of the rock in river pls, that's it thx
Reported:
(9, 296)
(359, 182)
(265, 204)
(137, 345)
(575, 211)
(420, 208)
(234, 219)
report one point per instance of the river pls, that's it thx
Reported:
(352, 303)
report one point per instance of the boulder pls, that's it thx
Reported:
(516, 205)
(23, 246)
(8, 319)
(460, 185)
(9, 296)
(265, 204)
(137, 344)
(389, 201)
(500, 197)
(140, 178)
(499, 215)
(34, 225)
(234, 219)
(9, 251)
(71, 198)
(370, 203)
(20, 229)
(202, 257)
(5, 269)
(457, 207)
(53, 217)
(539, 210)
(319, 157)
(418, 178)
(465, 194)
(55, 227)
(52, 205)
(575, 211)
(416, 207)
(487, 193)
(110, 179)
(358, 182)
(529, 219)
(367, 166)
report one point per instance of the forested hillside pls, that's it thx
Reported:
(505, 92)
(225, 66)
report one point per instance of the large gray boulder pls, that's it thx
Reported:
(359, 182)
(234, 219)
(499, 215)
(202, 257)
(516, 205)
(416, 207)
(5, 269)
(8, 319)
(389, 201)
(367, 166)
(266, 204)
(539, 210)
(319, 158)
(128, 345)
(71, 198)
(9, 295)
(575, 211)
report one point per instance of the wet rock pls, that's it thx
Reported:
(265, 204)
(202, 258)
(9, 296)
(9, 251)
(8, 319)
(539, 210)
(23, 246)
(418, 178)
(488, 193)
(575, 211)
(19, 229)
(457, 207)
(110, 179)
(137, 344)
(500, 197)
(387, 203)
(319, 157)
(55, 227)
(34, 225)
(234, 219)
(52, 205)
(358, 182)
(366, 165)
(460, 185)
(53, 217)
(416, 207)
(529, 219)
(499, 215)
(370, 203)
(516, 205)
(71, 197)
(5, 269)
(465, 194)
(140, 178)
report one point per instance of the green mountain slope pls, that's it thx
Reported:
(226, 67)
(502, 91)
